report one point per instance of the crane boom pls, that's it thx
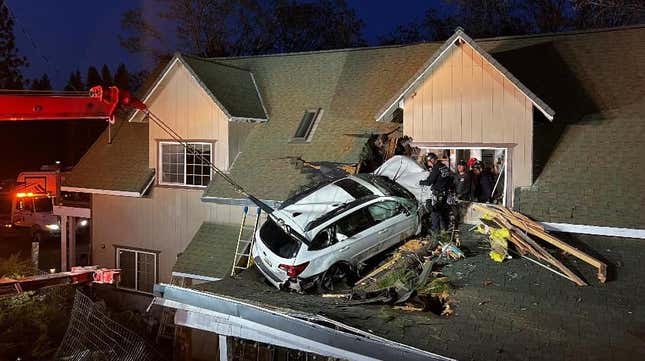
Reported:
(98, 103)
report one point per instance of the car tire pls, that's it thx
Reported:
(339, 276)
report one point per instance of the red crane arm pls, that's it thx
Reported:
(99, 103)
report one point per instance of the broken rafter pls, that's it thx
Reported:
(524, 226)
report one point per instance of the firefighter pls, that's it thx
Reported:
(442, 195)
(463, 182)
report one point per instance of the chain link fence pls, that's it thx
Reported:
(92, 335)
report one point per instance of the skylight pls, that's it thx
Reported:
(306, 126)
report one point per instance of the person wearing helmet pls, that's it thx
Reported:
(442, 197)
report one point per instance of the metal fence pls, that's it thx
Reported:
(92, 335)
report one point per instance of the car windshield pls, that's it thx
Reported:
(43, 204)
(387, 186)
(277, 240)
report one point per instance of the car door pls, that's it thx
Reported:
(355, 235)
(392, 223)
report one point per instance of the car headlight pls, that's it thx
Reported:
(53, 227)
(83, 223)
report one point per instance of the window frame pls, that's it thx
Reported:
(312, 128)
(117, 261)
(188, 143)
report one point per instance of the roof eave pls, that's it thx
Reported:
(427, 68)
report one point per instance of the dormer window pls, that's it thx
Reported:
(307, 125)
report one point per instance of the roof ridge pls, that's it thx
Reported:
(314, 52)
(436, 42)
(214, 61)
(561, 33)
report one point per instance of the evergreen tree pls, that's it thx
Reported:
(75, 82)
(122, 77)
(10, 60)
(41, 83)
(106, 76)
(93, 77)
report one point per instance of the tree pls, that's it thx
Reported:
(41, 83)
(608, 13)
(93, 77)
(106, 76)
(549, 15)
(11, 62)
(122, 77)
(320, 25)
(231, 27)
(75, 82)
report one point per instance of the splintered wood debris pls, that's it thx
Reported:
(505, 225)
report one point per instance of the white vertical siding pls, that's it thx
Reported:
(167, 219)
(466, 100)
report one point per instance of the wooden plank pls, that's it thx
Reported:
(536, 230)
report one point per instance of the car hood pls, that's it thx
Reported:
(407, 172)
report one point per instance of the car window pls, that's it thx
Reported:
(381, 211)
(324, 239)
(354, 223)
(354, 188)
(387, 186)
(336, 211)
(25, 205)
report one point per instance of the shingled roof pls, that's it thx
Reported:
(210, 252)
(577, 74)
(119, 167)
(349, 85)
(233, 89)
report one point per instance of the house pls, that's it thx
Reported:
(564, 112)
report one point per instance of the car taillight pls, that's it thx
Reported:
(293, 271)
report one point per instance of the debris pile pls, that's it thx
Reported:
(409, 280)
(504, 226)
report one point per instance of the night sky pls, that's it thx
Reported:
(77, 33)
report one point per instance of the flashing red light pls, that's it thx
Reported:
(293, 271)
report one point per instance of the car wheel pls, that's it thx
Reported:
(337, 277)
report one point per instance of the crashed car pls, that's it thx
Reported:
(321, 236)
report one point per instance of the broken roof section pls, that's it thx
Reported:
(119, 167)
(233, 89)
(417, 79)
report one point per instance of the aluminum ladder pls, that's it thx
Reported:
(167, 325)
(245, 238)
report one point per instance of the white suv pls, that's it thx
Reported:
(317, 237)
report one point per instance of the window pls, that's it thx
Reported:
(43, 204)
(138, 269)
(25, 205)
(354, 223)
(306, 126)
(354, 189)
(382, 211)
(182, 166)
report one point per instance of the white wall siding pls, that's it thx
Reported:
(466, 100)
(165, 222)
